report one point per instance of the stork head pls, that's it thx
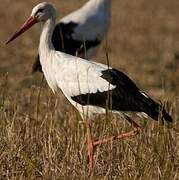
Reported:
(43, 11)
(40, 13)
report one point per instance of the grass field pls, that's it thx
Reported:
(42, 136)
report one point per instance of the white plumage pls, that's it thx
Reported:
(93, 20)
(75, 76)
(85, 77)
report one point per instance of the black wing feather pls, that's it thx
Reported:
(125, 97)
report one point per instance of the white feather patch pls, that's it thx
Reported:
(76, 76)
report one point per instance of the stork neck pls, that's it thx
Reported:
(46, 36)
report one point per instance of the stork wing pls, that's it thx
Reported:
(78, 76)
(90, 83)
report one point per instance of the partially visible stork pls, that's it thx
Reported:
(89, 86)
(81, 32)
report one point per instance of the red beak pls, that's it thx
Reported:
(28, 23)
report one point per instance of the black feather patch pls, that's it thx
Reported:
(125, 97)
(121, 98)
(63, 33)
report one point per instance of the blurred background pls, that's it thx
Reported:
(143, 42)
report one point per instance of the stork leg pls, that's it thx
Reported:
(130, 134)
(90, 146)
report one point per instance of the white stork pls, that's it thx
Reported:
(89, 86)
(81, 32)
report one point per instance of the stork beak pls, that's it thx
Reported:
(28, 23)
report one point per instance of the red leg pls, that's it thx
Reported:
(90, 147)
(120, 136)
(130, 134)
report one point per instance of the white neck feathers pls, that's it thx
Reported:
(46, 36)
(46, 52)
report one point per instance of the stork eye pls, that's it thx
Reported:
(39, 11)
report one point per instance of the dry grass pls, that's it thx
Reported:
(41, 137)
